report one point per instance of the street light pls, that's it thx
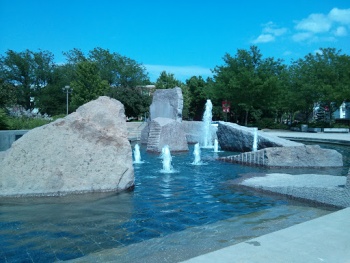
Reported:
(67, 89)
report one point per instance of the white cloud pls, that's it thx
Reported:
(264, 38)
(341, 32)
(315, 23)
(299, 37)
(340, 15)
(271, 28)
(318, 51)
(323, 27)
(269, 33)
(180, 72)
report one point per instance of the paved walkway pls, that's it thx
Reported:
(325, 239)
(340, 138)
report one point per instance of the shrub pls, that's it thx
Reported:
(21, 119)
(3, 120)
(269, 123)
(24, 123)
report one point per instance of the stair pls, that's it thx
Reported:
(256, 158)
(134, 130)
(154, 137)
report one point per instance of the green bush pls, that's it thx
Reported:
(318, 124)
(340, 125)
(24, 123)
(3, 120)
(55, 117)
(269, 123)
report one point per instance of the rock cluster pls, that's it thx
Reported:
(86, 151)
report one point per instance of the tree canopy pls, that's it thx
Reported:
(257, 88)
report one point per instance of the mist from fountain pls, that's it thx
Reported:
(166, 157)
(137, 154)
(255, 140)
(206, 137)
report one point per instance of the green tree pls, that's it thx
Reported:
(320, 78)
(186, 94)
(7, 94)
(167, 81)
(117, 70)
(135, 102)
(87, 84)
(17, 70)
(51, 99)
(130, 73)
(249, 82)
(107, 64)
(198, 95)
(28, 71)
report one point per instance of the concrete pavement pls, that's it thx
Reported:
(337, 138)
(325, 239)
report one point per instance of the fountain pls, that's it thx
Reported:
(216, 146)
(255, 140)
(137, 154)
(166, 157)
(206, 132)
(197, 155)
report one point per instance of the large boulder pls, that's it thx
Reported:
(86, 151)
(293, 156)
(236, 138)
(167, 103)
(165, 131)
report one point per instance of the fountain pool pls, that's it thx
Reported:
(168, 217)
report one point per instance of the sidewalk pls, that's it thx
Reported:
(325, 239)
(338, 138)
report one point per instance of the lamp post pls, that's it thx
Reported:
(67, 89)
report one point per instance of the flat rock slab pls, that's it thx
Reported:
(299, 180)
(316, 188)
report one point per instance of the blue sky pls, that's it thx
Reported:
(185, 38)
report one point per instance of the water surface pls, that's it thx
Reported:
(179, 209)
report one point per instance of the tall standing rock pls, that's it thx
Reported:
(84, 152)
(167, 103)
(165, 126)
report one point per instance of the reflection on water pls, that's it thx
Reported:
(196, 199)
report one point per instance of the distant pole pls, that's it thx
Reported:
(67, 89)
